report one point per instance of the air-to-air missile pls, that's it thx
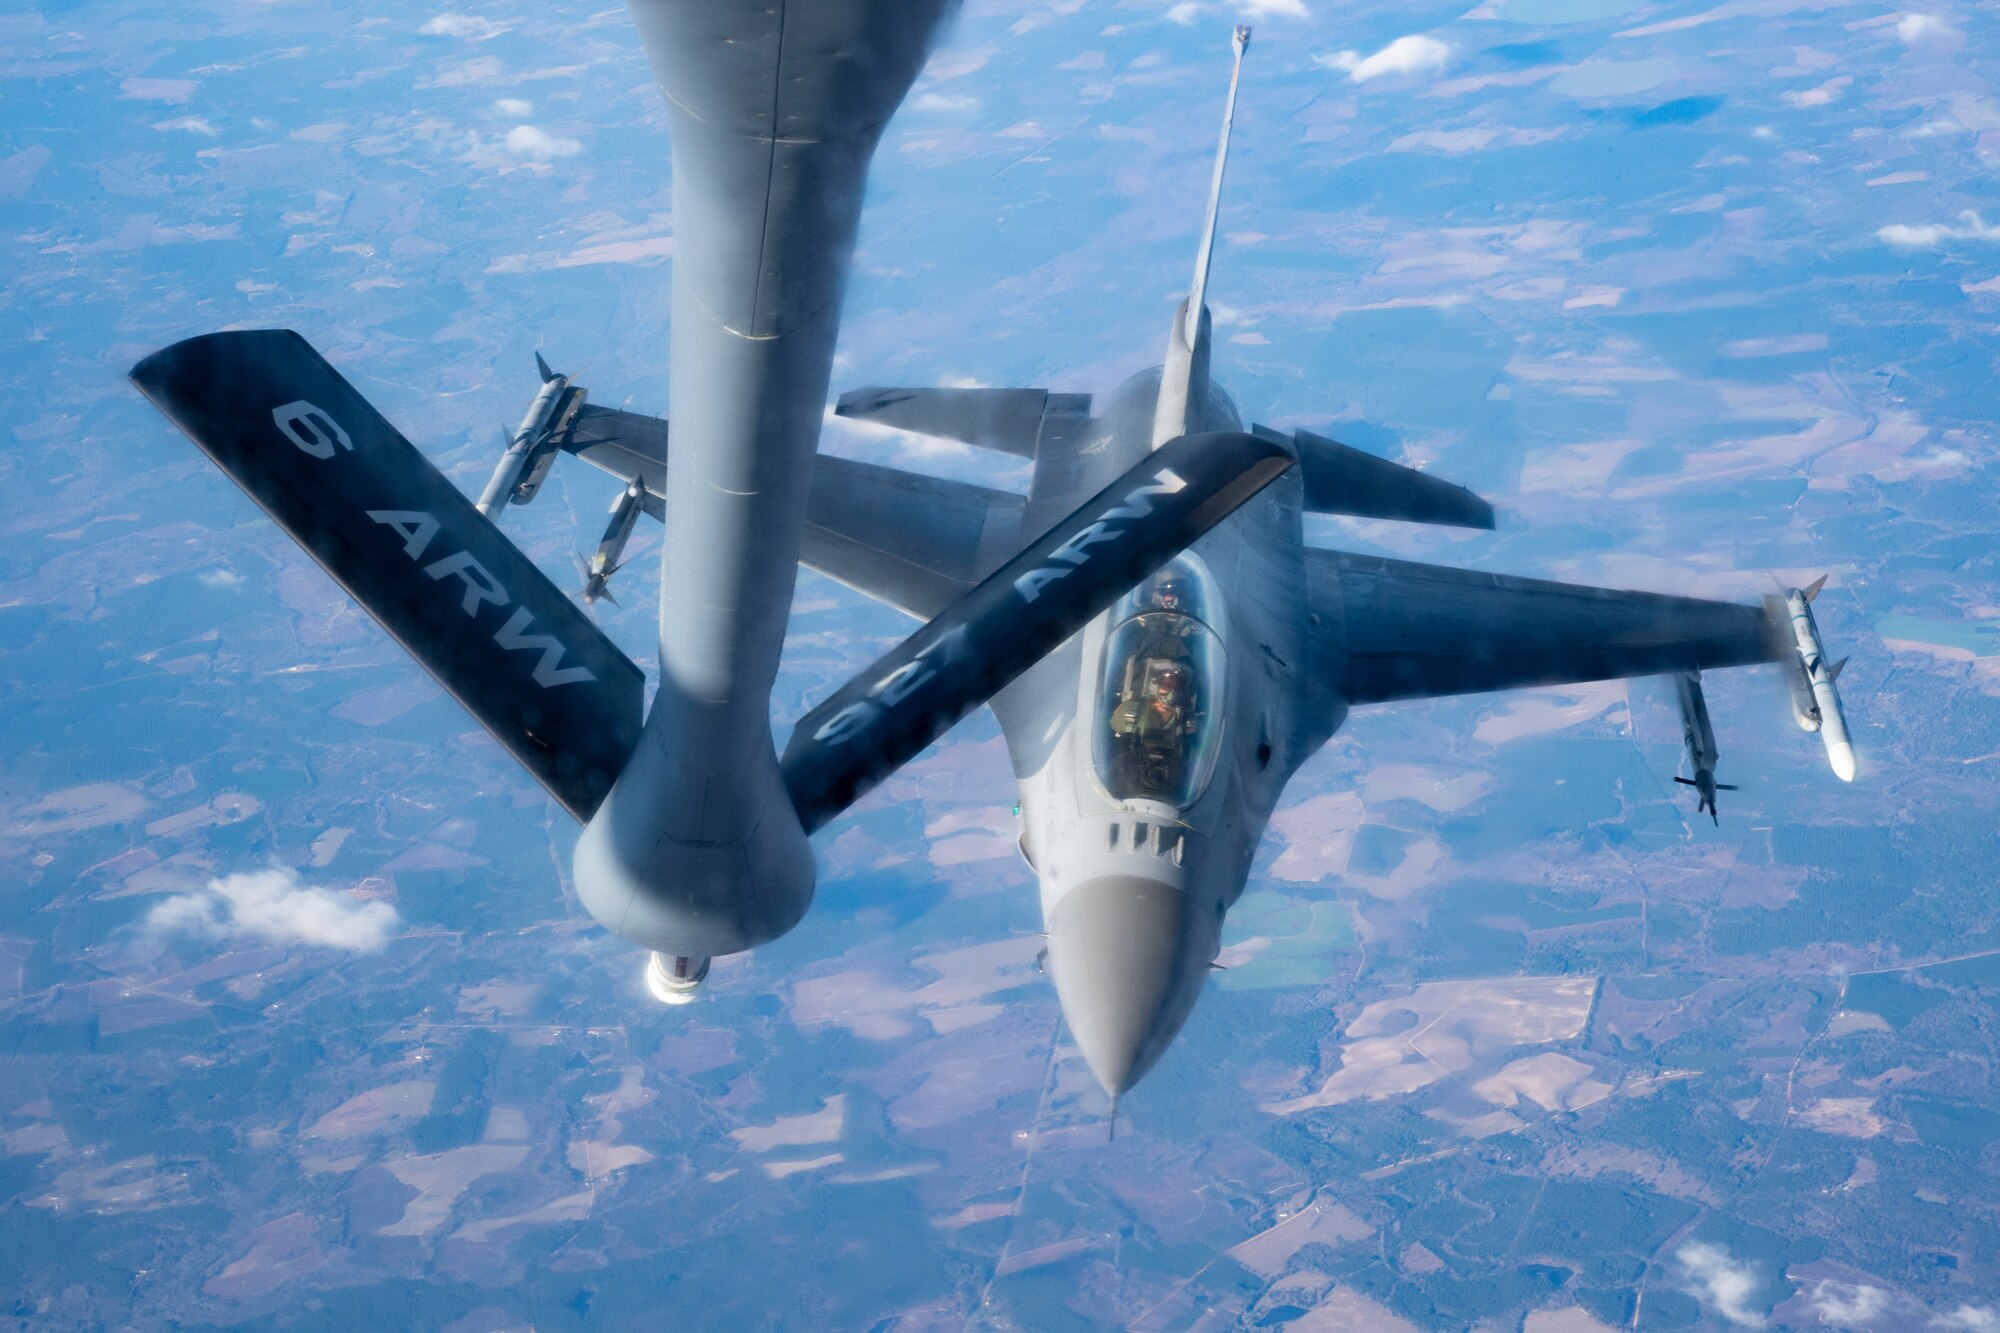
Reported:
(532, 449)
(1815, 701)
(1699, 739)
(610, 557)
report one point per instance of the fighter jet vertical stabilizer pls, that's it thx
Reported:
(1183, 400)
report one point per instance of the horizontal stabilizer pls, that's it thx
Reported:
(1017, 615)
(1340, 479)
(1008, 420)
(914, 542)
(408, 546)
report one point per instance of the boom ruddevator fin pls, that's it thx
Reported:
(411, 548)
(887, 713)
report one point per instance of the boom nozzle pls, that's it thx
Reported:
(675, 980)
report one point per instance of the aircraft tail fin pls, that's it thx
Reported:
(411, 548)
(1184, 394)
(1198, 292)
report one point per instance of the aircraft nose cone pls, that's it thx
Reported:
(1121, 952)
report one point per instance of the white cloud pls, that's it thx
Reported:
(1414, 54)
(1972, 1318)
(227, 578)
(539, 144)
(1846, 1303)
(1931, 235)
(1915, 29)
(459, 25)
(1826, 93)
(1187, 11)
(943, 102)
(1720, 1281)
(192, 124)
(515, 107)
(273, 905)
(158, 90)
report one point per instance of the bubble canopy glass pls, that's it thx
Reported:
(1159, 707)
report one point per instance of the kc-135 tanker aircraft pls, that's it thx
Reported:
(1160, 646)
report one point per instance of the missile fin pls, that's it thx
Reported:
(1811, 590)
(543, 366)
(1833, 672)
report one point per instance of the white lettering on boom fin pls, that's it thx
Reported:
(513, 637)
(1075, 552)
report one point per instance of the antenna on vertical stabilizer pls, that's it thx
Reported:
(1192, 329)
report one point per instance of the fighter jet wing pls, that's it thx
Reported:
(916, 543)
(628, 446)
(1393, 629)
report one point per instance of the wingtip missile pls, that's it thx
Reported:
(1816, 674)
(530, 448)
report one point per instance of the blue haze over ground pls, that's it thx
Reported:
(300, 1020)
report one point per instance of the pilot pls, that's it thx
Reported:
(1166, 593)
(1166, 619)
(1172, 702)
(1159, 715)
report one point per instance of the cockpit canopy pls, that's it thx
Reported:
(1159, 715)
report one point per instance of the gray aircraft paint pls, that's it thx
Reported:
(773, 112)
(1134, 893)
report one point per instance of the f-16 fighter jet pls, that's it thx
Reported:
(1153, 745)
